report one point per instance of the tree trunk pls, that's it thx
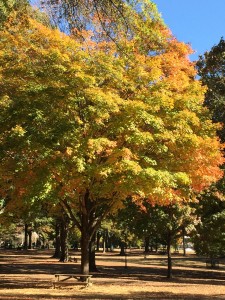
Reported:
(104, 243)
(85, 240)
(107, 241)
(92, 261)
(122, 248)
(184, 246)
(30, 239)
(156, 246)
(57, 253)
(85, 234)
(147, 240)
(169, 258)
(63, 239)
(25, 246)
(88, 230)
(98, 241)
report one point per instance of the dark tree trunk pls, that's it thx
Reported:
(30, 239)
(147, 242)
(156, 247)
(98, 237)
(85, 234)
(25, 245)
(85, 240)
(92, 261)
(104, 243)
(63, 239)
(107, 241)
(122, 248)
(169, 258)
(184, 246)
(57, 253)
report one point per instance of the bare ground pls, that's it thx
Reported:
(26, 275)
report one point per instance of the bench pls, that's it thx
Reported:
(72, 259)
(80, 279)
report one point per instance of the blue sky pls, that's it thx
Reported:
(198, 22)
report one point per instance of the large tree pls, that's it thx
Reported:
(86, 126)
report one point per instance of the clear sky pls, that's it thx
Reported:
(200, 23)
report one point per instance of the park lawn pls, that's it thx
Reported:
(26, 275)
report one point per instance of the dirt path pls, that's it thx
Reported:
(29, 275)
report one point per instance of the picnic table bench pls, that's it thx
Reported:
(80, 279)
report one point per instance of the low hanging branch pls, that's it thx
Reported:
(71, 214)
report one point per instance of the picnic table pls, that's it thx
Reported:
(80, 279)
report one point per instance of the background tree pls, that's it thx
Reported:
(158, 225)
(211, 69)
(209, 233)
(172, 219)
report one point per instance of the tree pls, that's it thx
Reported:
(211, 69)
(208, 236)
(86, 126)
(158, 224)
(171, 222)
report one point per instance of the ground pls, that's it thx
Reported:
(26, 275)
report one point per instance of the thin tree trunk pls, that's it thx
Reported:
(147, 240)
(122, 248)
(104, 243)
(98, 237)
(57, 253)
(107, 241)
(85, 234)
(25, 246)
(184, 246)
(63, 239)
(169, 258)
(92, 261)
(30, 239)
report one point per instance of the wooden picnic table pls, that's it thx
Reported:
(80, 279)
